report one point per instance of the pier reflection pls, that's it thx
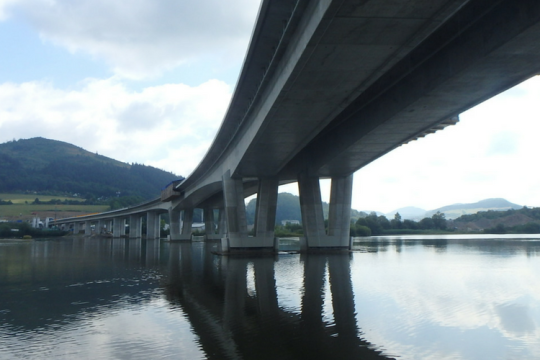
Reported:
(153, 299)
(233, 306)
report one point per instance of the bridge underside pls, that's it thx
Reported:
(360, 78)
(329, 86)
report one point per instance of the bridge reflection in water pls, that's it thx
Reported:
(428, 298)
(119, 298)
(232, 304)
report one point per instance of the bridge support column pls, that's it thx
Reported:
(339, 216)
(235, 210)
(209, 224)
(187, 224)
(315, 236)
(152, 225)
(312, 214)
(135, 226)
(87, 228)
(108, 226)
(99, 227)
(222, 223)
(265, 212)
(119, 227)
(174, 224)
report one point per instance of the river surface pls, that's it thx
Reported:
(454, 297)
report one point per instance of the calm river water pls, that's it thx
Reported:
(392, 297)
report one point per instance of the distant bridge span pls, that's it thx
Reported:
(328, 86)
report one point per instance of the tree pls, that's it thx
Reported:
(410, 224)
(439, 220)
(370, 222)
(384, 222)
(396, 222)
(360, 230)
(427, 223)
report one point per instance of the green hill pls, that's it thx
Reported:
(54, 167)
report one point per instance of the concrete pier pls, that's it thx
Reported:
(87, 228)
(119, 227)
(265, 212)
(187, 224)
(315, 236)
(174, 223)
(237, 236)
(135, 226)
(235, 210)
(152, 225)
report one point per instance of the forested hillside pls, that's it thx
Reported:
(48, 166)
(524, 220)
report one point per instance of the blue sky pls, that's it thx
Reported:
(149, 82)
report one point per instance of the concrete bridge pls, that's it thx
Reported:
(329, 86)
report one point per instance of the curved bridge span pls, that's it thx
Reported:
(329, 86)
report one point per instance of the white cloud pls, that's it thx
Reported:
(169, 126)
(490, 153)
(147, 37)
(4, 8)
(504, 143)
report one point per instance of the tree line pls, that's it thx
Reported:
(374, 224)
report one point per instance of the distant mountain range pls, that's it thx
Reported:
(49, 166)
(456, 210)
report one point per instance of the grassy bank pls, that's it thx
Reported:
(23, 207)
(24, 210)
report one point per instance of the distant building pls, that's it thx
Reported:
(292, 222)
(37, 223)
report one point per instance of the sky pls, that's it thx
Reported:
(149, 81)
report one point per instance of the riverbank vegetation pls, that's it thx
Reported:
(21, 206)
(374, 224)
(513, 221)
